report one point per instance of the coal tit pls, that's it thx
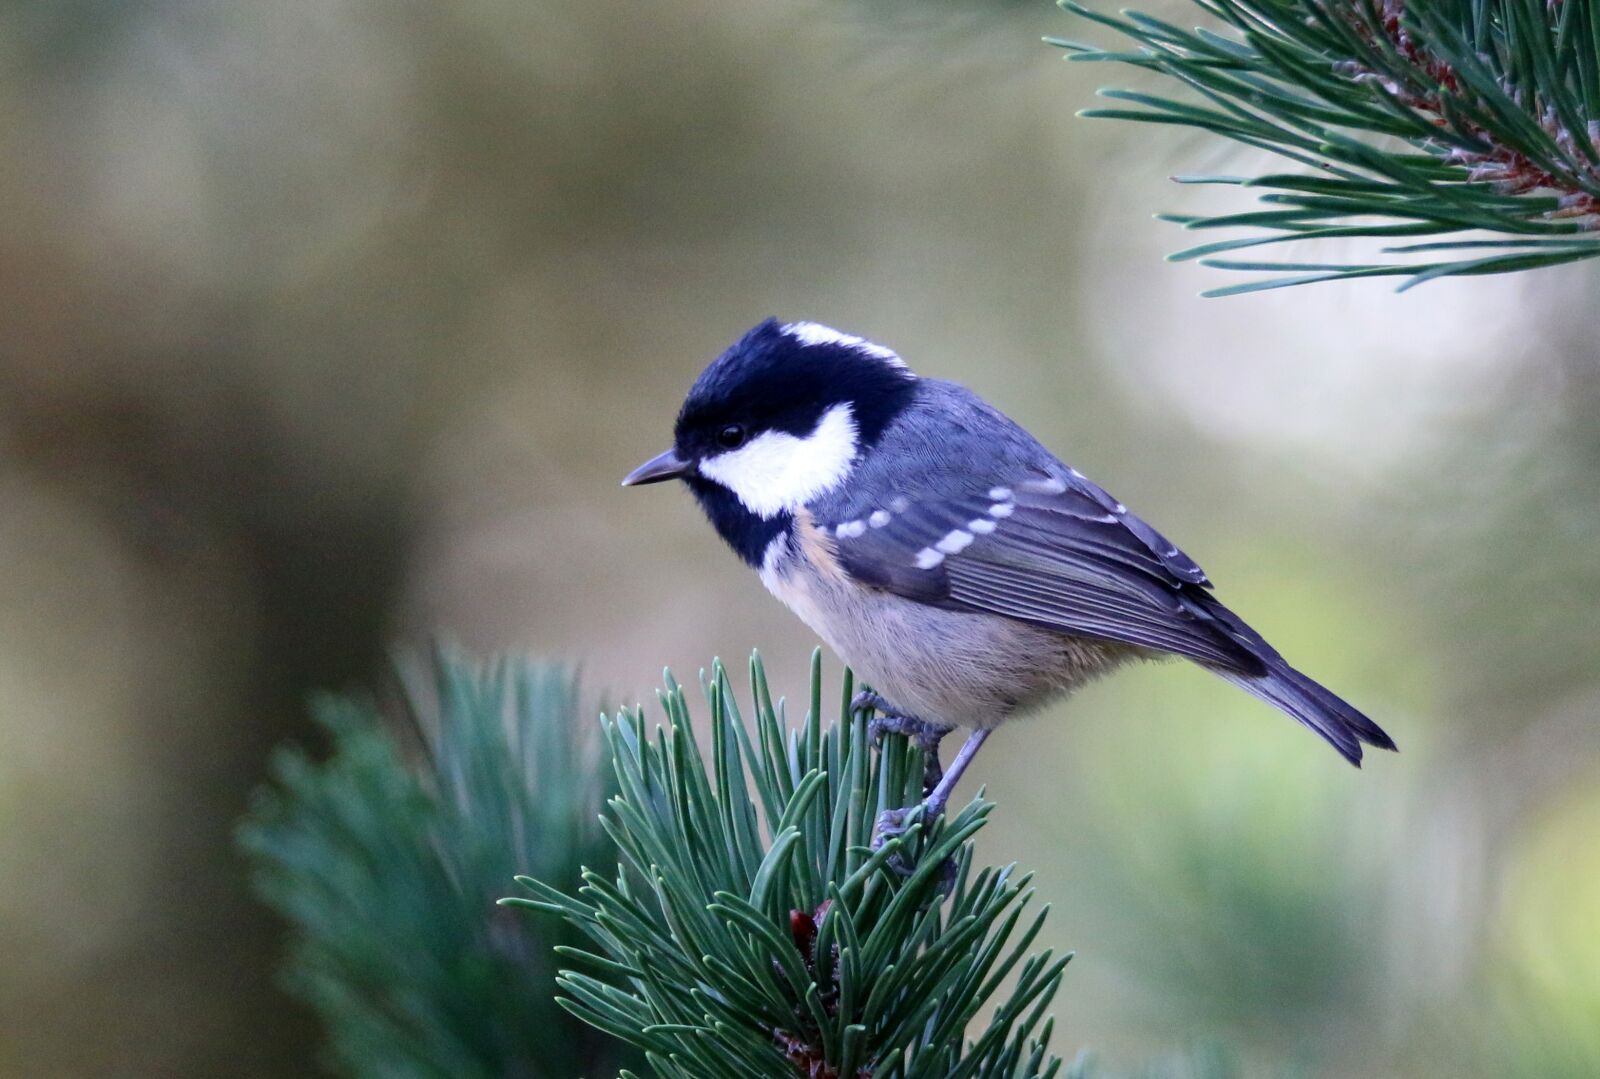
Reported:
(952, 561)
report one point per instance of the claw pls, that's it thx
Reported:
(887, 721)
(892, 824)
(924, 735)
(865, 699)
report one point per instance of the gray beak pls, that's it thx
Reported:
(663, 466)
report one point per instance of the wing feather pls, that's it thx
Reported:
(1054, 551)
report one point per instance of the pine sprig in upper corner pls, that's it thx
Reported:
(1431, 119)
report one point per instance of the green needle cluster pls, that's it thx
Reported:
(1409, 118)
(386, 857)
(753, 930)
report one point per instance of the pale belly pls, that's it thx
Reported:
(952, 668)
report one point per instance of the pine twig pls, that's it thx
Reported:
(1412, 118)
(754, 932)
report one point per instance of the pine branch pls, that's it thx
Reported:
(1414, 118)
(387, 872)
(754, 931)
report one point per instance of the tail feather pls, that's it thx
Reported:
(1283, 687)
(1334, 719)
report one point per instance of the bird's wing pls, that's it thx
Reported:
(1052, 550)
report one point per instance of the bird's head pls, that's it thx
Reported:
(776, 421)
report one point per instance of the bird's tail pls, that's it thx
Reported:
(1341, 724)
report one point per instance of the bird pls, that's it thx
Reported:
(965, 573)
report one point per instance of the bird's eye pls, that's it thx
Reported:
(731, 437)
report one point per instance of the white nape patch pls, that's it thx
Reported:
(1000, 494)
(879, 518)
(815, 333)
(927, 558)
(955, 541)
(775, 472)
(850, 530)
(1002, 509)
(982, 526)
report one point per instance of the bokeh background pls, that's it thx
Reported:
(329, 326)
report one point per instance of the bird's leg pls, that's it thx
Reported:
(890, 720)
(934, 803)
(892, 822)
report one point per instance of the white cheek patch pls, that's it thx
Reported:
(776, 472)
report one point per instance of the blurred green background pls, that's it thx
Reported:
(331, 325)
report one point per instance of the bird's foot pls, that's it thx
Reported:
(893, 824)
(924, 735)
